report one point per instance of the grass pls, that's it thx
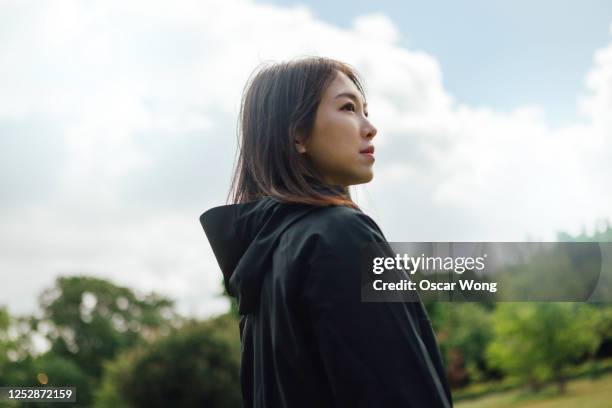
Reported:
(583, 393)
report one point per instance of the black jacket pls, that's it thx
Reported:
(307, 340)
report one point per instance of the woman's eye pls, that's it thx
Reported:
(349, 105)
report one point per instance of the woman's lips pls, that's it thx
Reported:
(369, 155)
(369, 152)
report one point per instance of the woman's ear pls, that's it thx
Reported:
(300, 144)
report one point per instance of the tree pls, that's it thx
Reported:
(537, 341)
(196, 365)
(89, 320)
(55, 371)
(464, 330)
(5, 342)
(15, 350)
(116, 373)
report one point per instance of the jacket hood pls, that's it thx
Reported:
(243, 238)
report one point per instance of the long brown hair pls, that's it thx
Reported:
(279, 102)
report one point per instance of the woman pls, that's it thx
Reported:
(288, 248)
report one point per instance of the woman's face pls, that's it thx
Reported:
(341, 132)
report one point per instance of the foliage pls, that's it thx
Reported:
(463, 331)
(122, 349)
(116, 373)
(196, 365)
(89, 320)
(537, 341)
(55, 371)
(5, 343)
(15, 350)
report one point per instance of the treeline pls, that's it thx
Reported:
(120, 349)
(529, 343)
(123, 349)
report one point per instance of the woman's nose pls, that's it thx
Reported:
(370, 131)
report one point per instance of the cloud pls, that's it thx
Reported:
(377, 26)
(121, 120)
(597, 103)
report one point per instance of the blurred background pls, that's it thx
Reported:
(118, 129)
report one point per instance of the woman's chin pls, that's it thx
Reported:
(364, 178)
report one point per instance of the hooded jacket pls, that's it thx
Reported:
(307, 339)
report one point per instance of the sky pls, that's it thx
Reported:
(500, 54)
(118, 120)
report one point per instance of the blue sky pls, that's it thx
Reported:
(496, 53)
(118, 121)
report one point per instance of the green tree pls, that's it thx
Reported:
(89, 320)
(196, 365)
(5, 342)
(55, 371)
(15, 350)
(463, 330)
(116, 373)
(537, 341)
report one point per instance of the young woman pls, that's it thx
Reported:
(289, 249)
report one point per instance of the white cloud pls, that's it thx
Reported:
(144, 96)
(377, 26)
(597, 104)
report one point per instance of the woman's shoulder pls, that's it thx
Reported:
(340, 216)
(336, 227)
(335, 217)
